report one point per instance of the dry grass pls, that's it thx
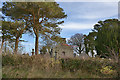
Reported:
(42, 66)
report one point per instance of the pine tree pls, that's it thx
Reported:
(107, 38)
(5, 32)
(42, 17)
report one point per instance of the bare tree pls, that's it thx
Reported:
(77, 40)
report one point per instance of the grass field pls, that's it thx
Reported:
(40, 66)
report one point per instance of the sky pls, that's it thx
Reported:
(82, 16)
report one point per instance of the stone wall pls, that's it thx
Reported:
(63, 51)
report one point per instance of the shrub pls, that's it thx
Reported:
(107, 70)
(90, 66)
(43, 65)
(7, 60)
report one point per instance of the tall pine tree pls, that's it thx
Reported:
(43, 17)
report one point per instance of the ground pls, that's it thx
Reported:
(40, 66)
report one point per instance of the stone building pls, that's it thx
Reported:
(62, 50)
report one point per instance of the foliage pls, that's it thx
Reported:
(74, 65)
(43, 50)
(12, 32)
(107, 36)
(107, 70)
(104, 38)
(89, 42)
(90, 66)
(40, 66)
(49, 43)
(5, 30)
(43, 18)
(14, 60)
(5, 33)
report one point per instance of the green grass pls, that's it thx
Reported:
(23, 66)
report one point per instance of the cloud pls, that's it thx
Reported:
(83, 15)
(95, 10)
(75, 26)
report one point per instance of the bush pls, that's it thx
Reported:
(90, 66)
(44, 66)
(14, 60)
(7, 60)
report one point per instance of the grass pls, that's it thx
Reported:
(24, 66)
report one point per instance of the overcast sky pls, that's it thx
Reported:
(81, 18)
(83, 15)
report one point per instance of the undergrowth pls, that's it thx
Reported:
(40, 66)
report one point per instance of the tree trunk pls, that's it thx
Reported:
(36, 44)
(5, 47)
(92, 53)
(2, 46)
(80, 49)
(16, 45)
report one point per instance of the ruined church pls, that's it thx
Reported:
(62, 50)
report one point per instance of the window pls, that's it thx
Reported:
(63, 53)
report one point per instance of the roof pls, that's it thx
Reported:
(66, 45)
(69, 45)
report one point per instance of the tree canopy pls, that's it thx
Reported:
(42, 17)
(105, 39)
